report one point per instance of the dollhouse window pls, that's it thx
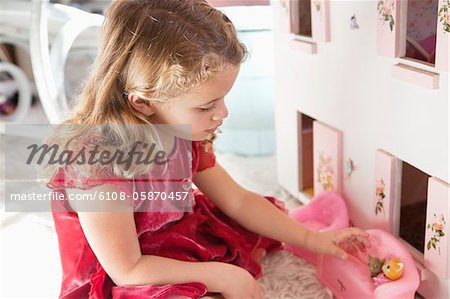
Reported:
(305, 152)
(310, 24)
(422, 19)
(413, 207)
(417, 31)
(301, 23)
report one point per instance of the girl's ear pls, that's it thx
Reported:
(140, 104)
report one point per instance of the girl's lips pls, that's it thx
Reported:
(213, 129)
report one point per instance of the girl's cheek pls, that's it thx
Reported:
(204, 123)
(203, 117)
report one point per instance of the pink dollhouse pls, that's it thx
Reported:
(362, 108)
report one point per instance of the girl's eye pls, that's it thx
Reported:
(209, 109)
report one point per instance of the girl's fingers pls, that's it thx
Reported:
(348, 247)
(354, 234)
(360, 245)
(360, 236)
(365, 240)
(338, 252)
(357, 232)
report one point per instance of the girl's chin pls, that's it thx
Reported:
(185, 132)
(201, 136)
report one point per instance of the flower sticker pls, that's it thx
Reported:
(317, 4)
(385, 9)
(325, 172)
(444, 15)
(437, 227)
(285, 5)
(379, 208)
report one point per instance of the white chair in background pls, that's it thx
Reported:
(48, 31)
(19, 82)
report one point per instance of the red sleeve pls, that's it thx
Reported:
(65, 178)
(68, 178)
(206, 156)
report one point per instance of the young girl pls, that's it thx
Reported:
(169, 62)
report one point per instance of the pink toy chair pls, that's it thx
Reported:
(327, 211)
(352, 279)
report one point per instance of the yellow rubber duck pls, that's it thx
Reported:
(393, 269)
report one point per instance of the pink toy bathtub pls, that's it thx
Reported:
(327, 211)
(351, 278)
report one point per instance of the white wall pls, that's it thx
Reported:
(349, 87)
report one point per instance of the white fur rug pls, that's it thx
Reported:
(287, 276)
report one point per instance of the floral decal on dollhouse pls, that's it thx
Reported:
(385, 10)
(317, 4)
(285, 5)
(437, 228)
(379, 207)
(325, 172)
(444, 15)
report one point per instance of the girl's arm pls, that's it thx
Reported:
(113, 239)
(257, 214)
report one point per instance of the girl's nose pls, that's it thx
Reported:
(221, 112)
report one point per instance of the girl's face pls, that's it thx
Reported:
(203, 108)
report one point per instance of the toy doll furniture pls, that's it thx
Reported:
(327, 211)
(352, 279)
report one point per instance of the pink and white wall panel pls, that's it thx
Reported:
(320, 20)
(327, 151)
(442, 43)
(388, 28)
(384, 195)
(281, 16)
(437, 249)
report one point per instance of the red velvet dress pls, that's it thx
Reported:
(203, 234)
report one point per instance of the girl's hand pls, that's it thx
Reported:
(240, 284)
(339, 243)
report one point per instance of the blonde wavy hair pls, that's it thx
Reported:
(158, 49)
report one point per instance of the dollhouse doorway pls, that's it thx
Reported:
(413, 206)
(305, 154)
